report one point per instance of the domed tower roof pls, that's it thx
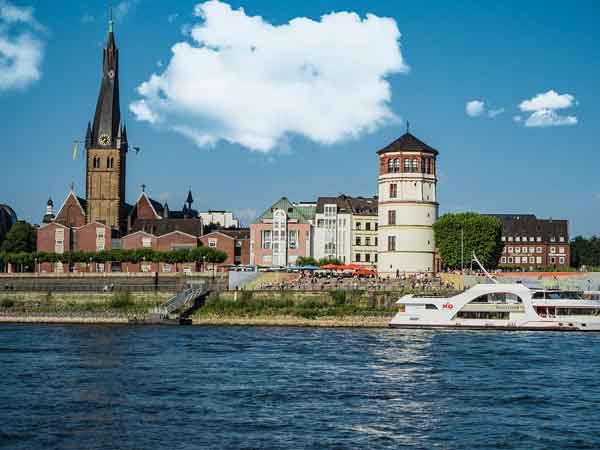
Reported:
(408, 143)
(50, 202)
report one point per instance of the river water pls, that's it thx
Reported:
(119, 387)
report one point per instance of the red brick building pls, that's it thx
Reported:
(532, 243)
(234, 242)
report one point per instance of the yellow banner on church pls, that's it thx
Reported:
(75, 151)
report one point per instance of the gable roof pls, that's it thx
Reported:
(82, 203)
(529, 225)
(302, 213)
(342, 202)
(408, 143)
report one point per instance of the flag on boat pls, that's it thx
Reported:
(74, 150)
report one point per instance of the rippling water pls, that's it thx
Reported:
(117, 387)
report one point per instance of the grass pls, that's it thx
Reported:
(336, 304)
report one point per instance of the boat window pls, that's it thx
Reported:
(498, 297)
(560, 295)
(578, 311)
(483, 315)
(430, 306)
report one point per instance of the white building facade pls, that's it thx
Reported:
(407, 207)
(333, 230)
(223, 219)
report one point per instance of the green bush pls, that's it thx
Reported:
(121, 300)
(7, 303)
(338, 297)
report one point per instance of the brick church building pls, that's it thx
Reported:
(103, 220)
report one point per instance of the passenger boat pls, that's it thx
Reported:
(501, 306)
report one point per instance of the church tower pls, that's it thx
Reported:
(106, 145)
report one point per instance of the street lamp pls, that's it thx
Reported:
(35, 266)
(203, 263)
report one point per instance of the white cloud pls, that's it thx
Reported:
(517, 118)
(495, 112)
(547, 100)
(123, 8)
(547, 118)
(21, 50)
(543, 109)
(475, 108)
(172, 17)
(246, 81)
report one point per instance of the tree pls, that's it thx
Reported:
(482, 234)
(334, 261)
(307, 261)
(22, 237)
(585, 252)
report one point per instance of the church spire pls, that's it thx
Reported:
(108, 110)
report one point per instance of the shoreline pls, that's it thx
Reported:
(286, 321)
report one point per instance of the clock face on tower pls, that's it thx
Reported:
(104, 139)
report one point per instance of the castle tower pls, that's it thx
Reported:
(407, 207)
(106, 145)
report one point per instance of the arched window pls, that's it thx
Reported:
(396, 166)
(415, 165)
(406, 165)
(390, 165)
(96, 163)
(423, 165)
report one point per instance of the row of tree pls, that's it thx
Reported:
(310, 261)
(198, 255)
(585, 252)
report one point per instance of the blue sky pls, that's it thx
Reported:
(501, 53)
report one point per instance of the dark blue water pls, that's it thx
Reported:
(101, 387)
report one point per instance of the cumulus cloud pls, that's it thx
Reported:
(21, 50)
(543, 109)
(475, 108)
(244, 80)
(123, 8)
(478, 108)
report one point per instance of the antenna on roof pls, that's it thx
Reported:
(407, 126)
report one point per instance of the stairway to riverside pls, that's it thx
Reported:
(191, 299)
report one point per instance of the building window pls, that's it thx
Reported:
(510, 249)
(358, 225)
(393, 190)
(538, 249)
(524, 250)
(293, 239)
(396, 166)
(59, 240)
(415, 165)
(538, 259)
(562, 239)
(406, 166)
(561, 260)
(503, 260)
(552, 250)
(561, 250)
(518, 239)
(510, 239)
(212, 243)
(100, 239)
(146, 242)
(357, 257)
(552, 260)
(503, 238)
(538, 239)
(532, 250)
(368, 226)
(390, 165)
(375, 257)
(391, 243)
(358, 240)
(517, 260)
(266, 238)
(531, 260)
(367, 240)
(392, 217)
(368, 257)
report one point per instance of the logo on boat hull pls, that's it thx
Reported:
(447, 306)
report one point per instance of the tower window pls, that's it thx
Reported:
(393, 190)
(391, 243)
(415, 165)
(390, 165)
(396, 166)
(391, 217)
(407, 165)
